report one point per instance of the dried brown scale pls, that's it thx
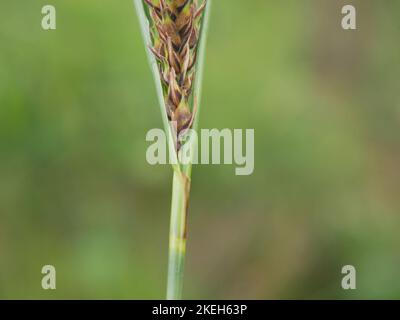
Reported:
(175, 29)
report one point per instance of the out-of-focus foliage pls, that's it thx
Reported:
(76, 191)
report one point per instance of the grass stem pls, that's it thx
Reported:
(153, 17)
(178, 233)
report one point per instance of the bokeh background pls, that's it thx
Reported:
(76, 191)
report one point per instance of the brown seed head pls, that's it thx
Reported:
(175, 29)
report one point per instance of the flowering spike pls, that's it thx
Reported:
(175, 28)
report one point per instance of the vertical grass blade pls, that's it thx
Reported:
(182, 172)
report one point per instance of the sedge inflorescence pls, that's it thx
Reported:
(175, 30)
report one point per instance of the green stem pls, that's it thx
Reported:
(182, 173)
(178, 232)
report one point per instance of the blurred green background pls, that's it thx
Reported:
(76, 190)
